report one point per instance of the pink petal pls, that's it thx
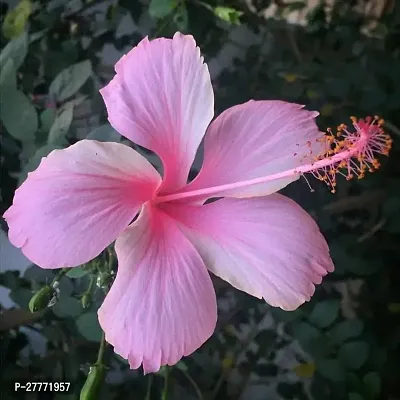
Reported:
(78, 201)
(256, 139)
(268, 247)
(162, 303)
(161, 98)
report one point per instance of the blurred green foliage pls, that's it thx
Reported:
(342, 61)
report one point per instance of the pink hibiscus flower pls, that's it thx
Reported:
(162, 304)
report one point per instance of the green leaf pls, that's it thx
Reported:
(354, 383)
(75, 101)
(21, 296)
(28, 148)
(76, 272)
(18, 115)
(8, 77)
(161, 8)
(70, 80)
(317, 347)
(286, 316)
(47, 118)
(66, 286)
(10, 280)
(346, 262)
(330, 369)
(346, 330)
(311, 340)
(373, 383)
(60, 127)
(354, 354)
(10, 146)
(228, 14)
(355, 396)
(35, 160)
(305, 332)
(16, 50)
(181, 19)
(88, 326)
(325, 313)
(67, 307)
(123, 360)
(39, 275)
(104, 133)
(15, 20)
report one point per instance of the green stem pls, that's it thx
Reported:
(168, 19)
(59, 275)
(193, 383)
(91, 284)
(219, 384)
(164, 395)
(110, 258)
(149, 384)
(103, 345)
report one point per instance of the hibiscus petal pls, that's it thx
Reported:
(161, 98)
(256, 139)
(268, 246)
(78, 201)
(162, 304)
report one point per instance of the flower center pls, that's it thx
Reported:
(353, 153)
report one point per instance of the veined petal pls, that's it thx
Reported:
(161, 98)
(162, 304)
(268, 246)
(78, 201)
(256, 139)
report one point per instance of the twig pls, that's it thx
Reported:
(352, 202)
(372, 231)
(393, 128)
(293, 43)
(14, 318)
(193, 383)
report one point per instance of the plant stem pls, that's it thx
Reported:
(103, 345)
(193, 383)
(149, 384)
(59, 275)
(164, 395)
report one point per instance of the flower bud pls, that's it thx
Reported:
(86, 300)
(42, 299)
(104, 279)
(94, 382)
